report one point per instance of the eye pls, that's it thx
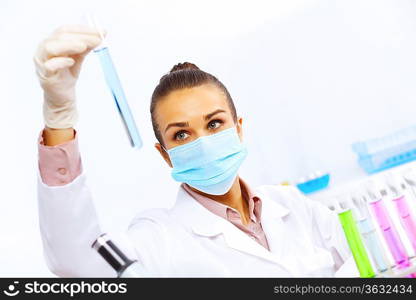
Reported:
(214, 124)
(181, 135)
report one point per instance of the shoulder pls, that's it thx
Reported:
(157, 216)
(290, 198)
(150, 237)
(293, 199)
(283, 194)
(151, 228)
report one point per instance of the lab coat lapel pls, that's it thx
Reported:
(237, 239)
(205, 223)
(273, 224)
(279, 237)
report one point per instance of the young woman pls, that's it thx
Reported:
(219, 226)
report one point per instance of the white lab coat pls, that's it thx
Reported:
(188, 240)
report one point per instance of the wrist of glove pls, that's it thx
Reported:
(62, 114)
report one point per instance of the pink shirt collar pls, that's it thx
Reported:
(225, 211)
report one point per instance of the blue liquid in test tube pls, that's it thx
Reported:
(373, 244)
(117, 91)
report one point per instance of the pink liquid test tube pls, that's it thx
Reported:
(406, 218)
(390, 234)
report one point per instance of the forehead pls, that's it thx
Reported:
(186, 104)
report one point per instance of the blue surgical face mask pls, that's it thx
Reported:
(210, 163)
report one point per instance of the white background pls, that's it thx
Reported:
(309, 78)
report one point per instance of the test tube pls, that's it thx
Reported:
(398, 189)
(114, 84)
(406, 219)
(388, 230)
(409, 177)
(354, 240)
(369, 234)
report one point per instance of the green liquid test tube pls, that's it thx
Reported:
(356, 244)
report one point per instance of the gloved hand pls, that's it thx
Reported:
(58, 61)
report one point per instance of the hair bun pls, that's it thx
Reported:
(184, 66)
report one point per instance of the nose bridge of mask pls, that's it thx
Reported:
(205, 149)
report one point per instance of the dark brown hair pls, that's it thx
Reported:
(184, 75)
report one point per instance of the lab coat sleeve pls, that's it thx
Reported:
(69, 225)
(327, 229)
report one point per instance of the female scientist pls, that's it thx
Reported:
(218, 227)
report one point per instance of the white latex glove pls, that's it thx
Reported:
(58, 61)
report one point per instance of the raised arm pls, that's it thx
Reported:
(67, 216)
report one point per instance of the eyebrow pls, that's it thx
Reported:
(210, 115)
(186, 124)
(177, 124)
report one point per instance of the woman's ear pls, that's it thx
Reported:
(240, 127)
(164, 154)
